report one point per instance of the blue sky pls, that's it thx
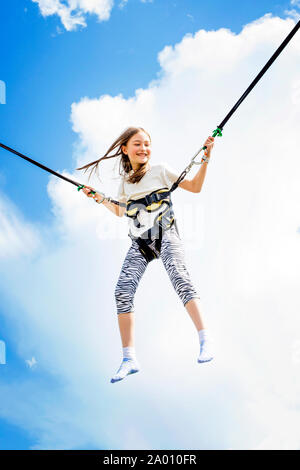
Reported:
(46, 69)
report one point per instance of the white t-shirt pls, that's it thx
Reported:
(157, 177)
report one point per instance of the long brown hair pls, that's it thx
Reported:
(125, 164)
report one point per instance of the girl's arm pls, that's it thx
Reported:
(114, 208)
(117, 210)
(194, 185)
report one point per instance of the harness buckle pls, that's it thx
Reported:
(156, 197)
(148, 199)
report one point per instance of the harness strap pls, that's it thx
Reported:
(155, 196)
(147, 251)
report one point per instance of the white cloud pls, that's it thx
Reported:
(296, 3)
(123, 3)
(243, 255)
(17, 237)
(293, 13)
(73, 13)
(31, 362)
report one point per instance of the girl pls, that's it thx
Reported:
(140, 179)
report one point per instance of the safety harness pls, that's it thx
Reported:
(148, 233)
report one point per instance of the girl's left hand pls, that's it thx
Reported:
(86, 190)
(209, 143)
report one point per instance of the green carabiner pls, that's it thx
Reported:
(217, 132)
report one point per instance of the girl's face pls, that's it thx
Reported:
(138, 149)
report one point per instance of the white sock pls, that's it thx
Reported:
(129, 365)
(206, 347)
(129, 353)
(203, 335)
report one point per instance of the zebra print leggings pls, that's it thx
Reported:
(172, 255)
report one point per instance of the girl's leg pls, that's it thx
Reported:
(173, 258)
(133, 268)
(172, 255)
(193, 308)
(131, 273)
(126, 326)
